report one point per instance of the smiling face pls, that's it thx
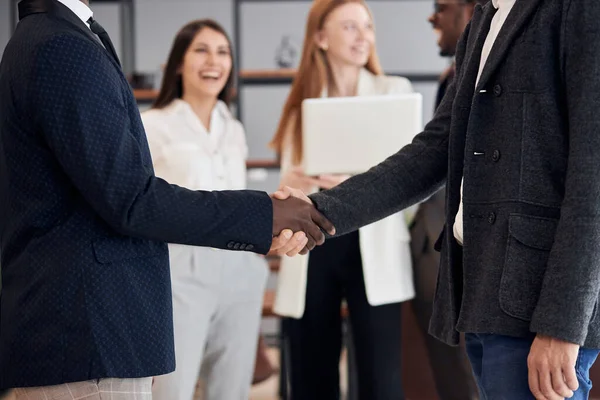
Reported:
(207, 64)
(347, 36)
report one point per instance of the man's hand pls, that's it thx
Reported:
(286, 192)
(551, 365)
(293, 210)
(288, 243)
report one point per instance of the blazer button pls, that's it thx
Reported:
(243, 246)
(230, 245)
(249, 247)
(492, 218)
(496, 156)
(497, 90)
(236, 246)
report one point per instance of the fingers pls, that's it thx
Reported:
(286, 192)
(322, 222)
(294, 244)
(570, 377)
(316, 216)
(559, 385)
(298, 243)
(311, 241)
(296, 193)
(281, 195)
(288, 243)
(310, 223)
(281, 240)
(545, 384)
(534, 384)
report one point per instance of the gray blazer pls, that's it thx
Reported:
(527, 141)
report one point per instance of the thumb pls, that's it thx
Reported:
(282, 194)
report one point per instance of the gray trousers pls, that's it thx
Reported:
(217, 303)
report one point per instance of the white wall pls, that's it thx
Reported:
(4, 24)
(405, 40)
(108, 15)
(157, 22)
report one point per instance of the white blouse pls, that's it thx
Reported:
(187, 154)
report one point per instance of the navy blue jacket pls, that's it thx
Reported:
(85, 272)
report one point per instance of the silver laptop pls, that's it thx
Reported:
(349, 135)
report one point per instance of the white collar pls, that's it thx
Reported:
(504, 4)
(220, 108)
(78, 8)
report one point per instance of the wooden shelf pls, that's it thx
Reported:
(268, 73)
(145, 94)
(269, 164)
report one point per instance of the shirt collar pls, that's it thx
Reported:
(504, 4)
(78, 8)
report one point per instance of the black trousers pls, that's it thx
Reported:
(450, 366)
(315, 341)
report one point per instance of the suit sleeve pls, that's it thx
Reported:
(411, 175)
(82, 113)
(407, 177)
(572, 280)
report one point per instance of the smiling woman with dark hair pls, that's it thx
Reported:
(196, 143)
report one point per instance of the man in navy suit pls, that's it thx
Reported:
(86, 292)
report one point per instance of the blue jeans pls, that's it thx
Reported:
(500, 367)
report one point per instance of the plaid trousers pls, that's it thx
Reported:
(97, 389)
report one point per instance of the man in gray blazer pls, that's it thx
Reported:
(516, 141)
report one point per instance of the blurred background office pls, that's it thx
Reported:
(267, 38)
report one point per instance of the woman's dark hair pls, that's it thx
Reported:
(172, 87)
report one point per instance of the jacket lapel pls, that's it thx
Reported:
(480, 27)
(519, 15)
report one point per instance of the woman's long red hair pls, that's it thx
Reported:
(312, 76)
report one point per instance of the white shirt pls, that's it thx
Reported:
(504, 7)
(80, 9)
(187, 154)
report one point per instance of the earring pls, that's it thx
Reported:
(325, 47)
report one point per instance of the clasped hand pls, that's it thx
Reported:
(297, 225)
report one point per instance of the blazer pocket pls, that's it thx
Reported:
(114, 249)
(529, 242)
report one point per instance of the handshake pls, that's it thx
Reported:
(297, 225)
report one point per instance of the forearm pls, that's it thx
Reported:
(409, 176)
(214, 219)
(404, 179)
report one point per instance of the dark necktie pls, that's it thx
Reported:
(104, 38)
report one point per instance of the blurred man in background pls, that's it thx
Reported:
(450, 367)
